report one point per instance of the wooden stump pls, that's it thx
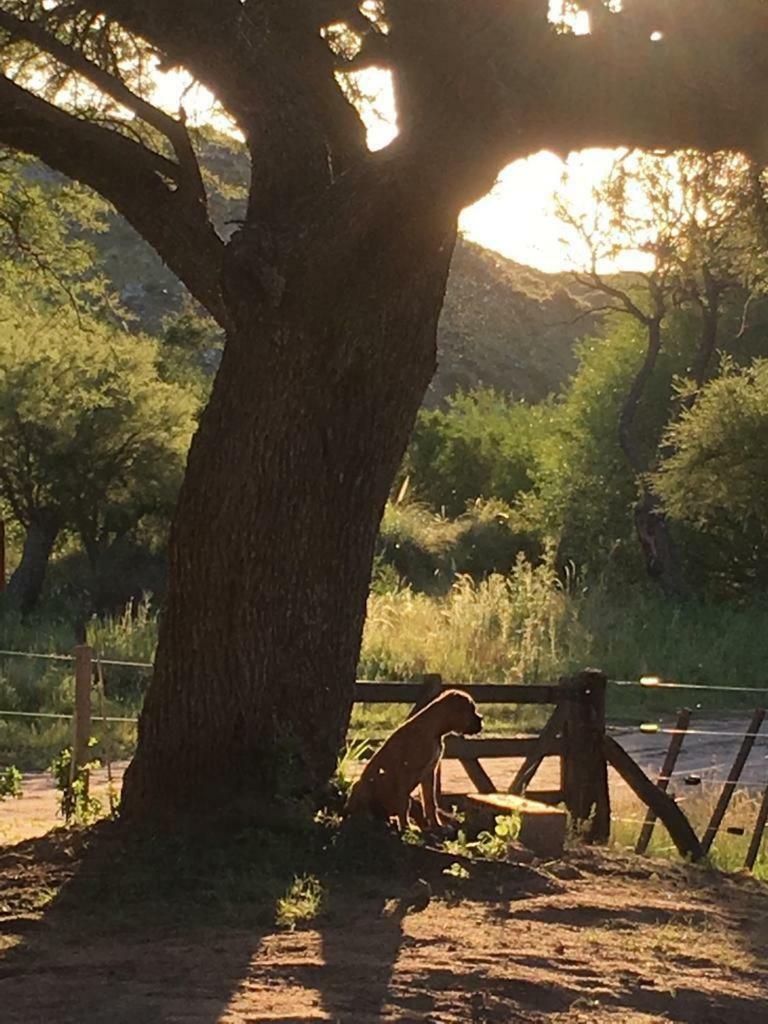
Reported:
(542, 828)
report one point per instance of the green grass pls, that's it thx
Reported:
(31, 685)
(528, 627)
(301, 902)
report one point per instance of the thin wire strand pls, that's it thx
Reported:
(642, 684)
(686, 686)
(69, 657)
(701, 732)
(60, 716)
(33, 654)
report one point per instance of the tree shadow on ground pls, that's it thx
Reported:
(127, 932)
(98, 927)
(365, 939)
(529, 1000)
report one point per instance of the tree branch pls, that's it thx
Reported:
(672, 94)
(591, 279)
(189, 175)
(488, 83)
(268, 65)
(132, 177)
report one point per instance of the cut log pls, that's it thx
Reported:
(542, 828)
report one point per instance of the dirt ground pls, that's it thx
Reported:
(595, 938)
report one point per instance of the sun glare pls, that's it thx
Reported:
(561, 13)
(176, 89)
(379, 111)
(517, 218)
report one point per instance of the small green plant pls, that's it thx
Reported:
(413, 837)
(457, 871)
(75, 803)
(10, 782)
(357, 750)
(488, 845)
(301, 902)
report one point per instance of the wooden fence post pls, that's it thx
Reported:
(733, 777)
(584, 768)
(530, 765)
(663, 805)
(757, 835)
(83, 681)
(673, 752)
(431, 686)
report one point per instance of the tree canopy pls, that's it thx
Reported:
(477, 84)
(716, 475)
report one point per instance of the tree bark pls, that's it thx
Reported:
(272, 543)
(26, 583)
(662, 561)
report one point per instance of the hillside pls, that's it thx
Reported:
(506, 326)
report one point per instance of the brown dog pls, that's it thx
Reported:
(410, 757)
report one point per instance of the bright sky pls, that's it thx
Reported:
(516, 218)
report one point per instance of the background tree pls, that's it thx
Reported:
(92, 441)
(715, 478)
(329, 292)
(46, 229)
(697, 219)
(478, 446)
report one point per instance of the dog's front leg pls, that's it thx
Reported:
(428, 791)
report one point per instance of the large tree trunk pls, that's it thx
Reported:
(272, 543)
(26, 583)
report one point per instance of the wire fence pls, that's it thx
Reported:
(644, 683)
(70, 658)
(653, 683)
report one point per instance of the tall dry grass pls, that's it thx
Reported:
(515, 628)
(532, 626)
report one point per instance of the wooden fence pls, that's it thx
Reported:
(575, 732)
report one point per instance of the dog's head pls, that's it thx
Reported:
(461, 715)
